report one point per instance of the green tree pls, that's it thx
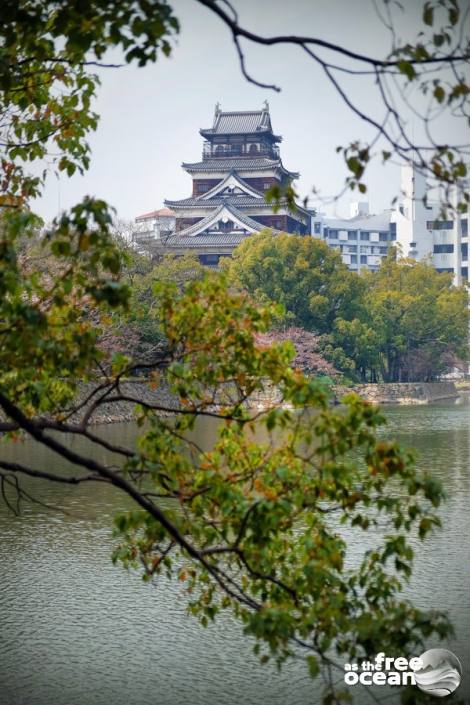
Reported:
(301, 273)
(142, 314)
(354, 345)
(413, 319)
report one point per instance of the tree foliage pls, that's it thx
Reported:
(141, 317)
(302, 273)
(413, 320)
(401, 323)
(46, 85)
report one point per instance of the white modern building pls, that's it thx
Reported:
(415, 227)
(363, 239)
(424, 235)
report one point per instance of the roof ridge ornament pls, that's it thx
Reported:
(266, 106)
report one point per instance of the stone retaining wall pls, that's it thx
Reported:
(406, 393)
(401, 393)
(123, 410)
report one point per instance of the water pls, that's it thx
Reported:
(74, 630)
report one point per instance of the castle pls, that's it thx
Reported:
(240, 162)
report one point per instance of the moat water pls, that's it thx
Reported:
(75, 630)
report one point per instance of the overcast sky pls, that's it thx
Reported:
(150, 117)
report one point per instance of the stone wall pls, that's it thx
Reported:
(401, 393)
(407, 393)
(122, 410)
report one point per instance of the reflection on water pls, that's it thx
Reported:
(74, 630)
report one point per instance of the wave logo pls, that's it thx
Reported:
(439, 672)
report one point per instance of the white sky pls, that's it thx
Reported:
(150, 117)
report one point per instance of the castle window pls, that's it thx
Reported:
(253, 148)
(202, 186)
(210, 260)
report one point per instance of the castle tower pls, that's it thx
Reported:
(240, 162)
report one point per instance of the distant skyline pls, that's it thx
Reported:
(150, 117)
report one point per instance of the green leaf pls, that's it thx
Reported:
(406, 68)
(439, 94)
(313, 667)
(428, 14)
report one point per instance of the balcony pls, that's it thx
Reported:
(211, 151)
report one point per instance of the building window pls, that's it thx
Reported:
(365, 236)
(383, 237)
(225, 226)
(353, 259)
(332, 234)
(442, 270)
(202, 186)
(464, 227)
(317, 228)
(439, 249)
(439, 224)
(465, 272)
(352, 234)
(393, 231)
(383, 250)
(363, 259)
(210, 260)
(352, 248)
(464, 251)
